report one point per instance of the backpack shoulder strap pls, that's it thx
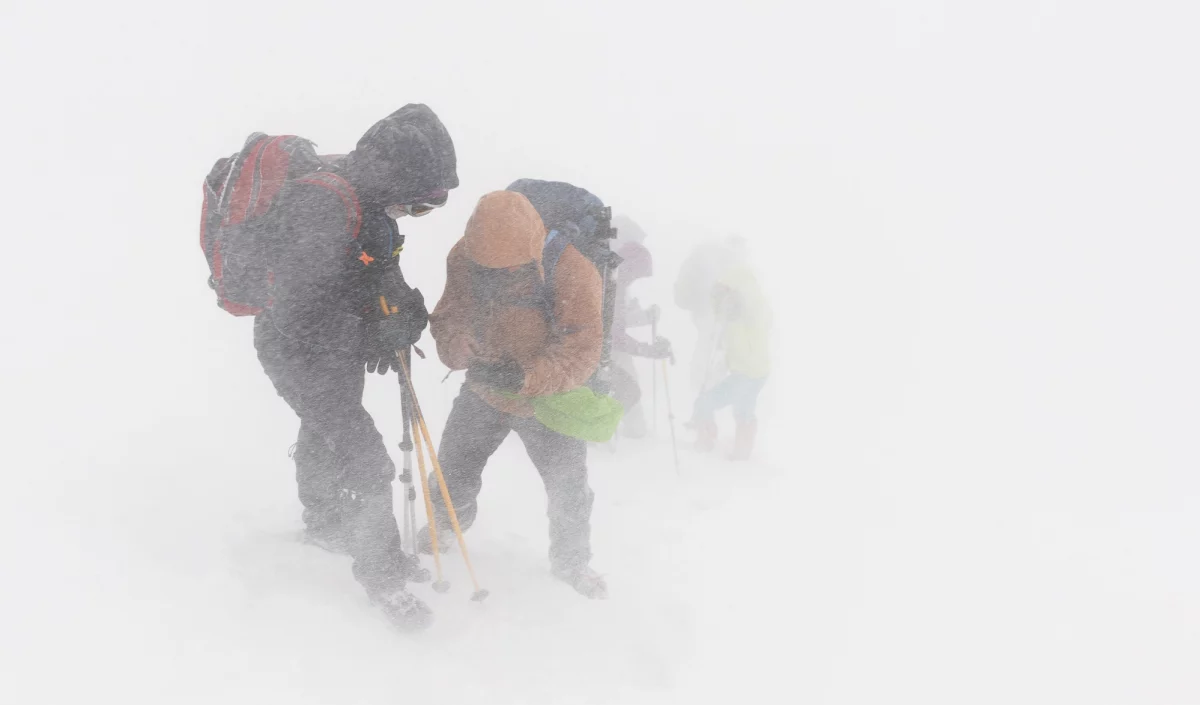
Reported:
(605, 260)
(556, 243)
(344, 191)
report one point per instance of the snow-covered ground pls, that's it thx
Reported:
(977, 480)
(175, 575)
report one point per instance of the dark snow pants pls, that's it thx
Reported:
(343, 470)
(627, 390)
(474, 431)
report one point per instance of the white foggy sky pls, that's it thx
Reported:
(978, 220)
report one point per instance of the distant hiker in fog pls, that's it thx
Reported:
(702, 269)
(522, 314)
(628, 231)
(742, 319)
(314, 269)
(636, 264)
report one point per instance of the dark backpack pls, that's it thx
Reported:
(235, 233)
(575, 216)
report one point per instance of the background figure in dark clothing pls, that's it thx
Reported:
(326, 323)
(636, 263)
(488, 323)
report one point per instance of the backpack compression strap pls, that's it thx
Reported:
(270, 172)
(240, 194)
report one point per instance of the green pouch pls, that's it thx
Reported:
(579, 413)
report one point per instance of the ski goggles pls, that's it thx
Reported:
(427, 203)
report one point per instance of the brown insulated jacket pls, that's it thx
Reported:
(503, 245)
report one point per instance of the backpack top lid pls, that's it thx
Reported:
(561, 204)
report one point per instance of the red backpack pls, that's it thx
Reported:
(235, 235)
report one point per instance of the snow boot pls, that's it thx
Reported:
(412, 570)
(447, 541)
(403, 609)
(743, 440)
(706, 435)
(335, 538)
(586, 581)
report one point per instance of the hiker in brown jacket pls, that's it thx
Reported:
(494, 321)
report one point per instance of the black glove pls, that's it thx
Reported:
(506, 376)
(408, 320)
(659, 349)
(402, 326)
(380, 356)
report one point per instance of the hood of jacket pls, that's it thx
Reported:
(504, 231)
(636, 262)
(402, 158)
(628, 230)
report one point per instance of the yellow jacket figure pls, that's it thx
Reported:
(744, 318)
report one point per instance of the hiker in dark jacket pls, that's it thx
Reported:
(326, 324)
(636, 263)
(489, 323)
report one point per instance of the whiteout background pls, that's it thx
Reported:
(978, 477)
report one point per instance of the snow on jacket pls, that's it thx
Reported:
(322, 292)
(502, 248)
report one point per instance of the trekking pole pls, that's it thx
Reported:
(409, 532)
(406, 445)
(480, 593)
(654, 378)
(440, 585)
(670, 414)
